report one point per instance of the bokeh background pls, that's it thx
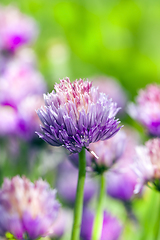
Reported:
(79, 39)
(86, 39)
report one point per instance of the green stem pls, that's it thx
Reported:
(79, 197)
(150, 228)
(98, 221)
(157, 224)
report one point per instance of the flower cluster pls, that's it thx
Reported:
(147, 163)
(19, 77)
(19, 81)
(147, 109)
(121, 180)
(76, 115)
(21, 87)
(27, 208)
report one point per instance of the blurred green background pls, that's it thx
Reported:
(119, 38)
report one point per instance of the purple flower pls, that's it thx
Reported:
(16, 29)
(76, 115)
(67, 184)
(8, 121)
(27, 207)
(121, 180)
(121, 184)
(21, 88)
(147, 109)
(19, 81)
(111, 228)
(147, 163)
(23, 121)
(28, 121)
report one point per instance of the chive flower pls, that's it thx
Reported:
(147, 109)
(77, 114)
(16, 28)
(147, 164)
(26, 208)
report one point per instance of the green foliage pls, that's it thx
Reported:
(116, 38)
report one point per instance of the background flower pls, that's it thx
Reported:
(147, 109)
(108, 152)
(121, 180)
(27, 208)
(16, 29)
(147, 164)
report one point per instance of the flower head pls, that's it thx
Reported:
(27, 208)
(147, 109)
(16, 29)
(121, 184)
(147, 163)
(121, 180)
(76, 115)
(28, 120)
(19, 81)
(21, 88)
(8, 120)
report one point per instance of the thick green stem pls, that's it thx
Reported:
(79, 197)
(98, 221)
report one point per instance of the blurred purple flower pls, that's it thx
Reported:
(108, 151)
(111, 228)
(18, 81)
(121, 180)
(16, 29)
(67, 184)
(147, 109)
(111, 86)
(147, 163)
(121, 185)
(28, 121)
(27, 207)
(8, 121)
(21, 88)
(76, 115)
